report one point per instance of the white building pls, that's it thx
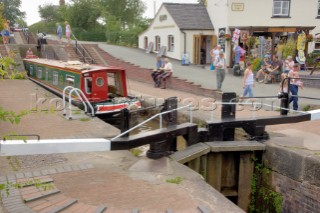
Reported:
(269, 18)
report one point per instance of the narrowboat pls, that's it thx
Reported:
(104, 86)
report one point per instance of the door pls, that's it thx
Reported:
(196, 49)
(99, 86)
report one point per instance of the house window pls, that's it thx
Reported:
(55, 78)
(281, 7)
(145, 42)
(158, 43)
(317, 43)
(170, 43)
(318, 8)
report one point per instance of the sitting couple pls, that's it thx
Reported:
(269, 68)
(163, 71)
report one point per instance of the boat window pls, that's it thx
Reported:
(69, 80)
(31, 70)
(100, 82)
(55, 78)
(39, 74)
(88, 85)
(115, 83)
(47, 75)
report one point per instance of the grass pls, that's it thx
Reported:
(136, 152)
(175, 180)
(84, 119)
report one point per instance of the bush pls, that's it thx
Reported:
(42, 26)
(256, 64)
(289, 48)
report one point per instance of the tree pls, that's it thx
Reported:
(11, 10)
(49, 12)
(127, 12)
(84, 13)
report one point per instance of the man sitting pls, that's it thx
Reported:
(167, 72)
(157, 71)
(265, 68)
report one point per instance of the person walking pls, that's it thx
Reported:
(59, 32)
(295, 83)
(6, 32)
(220, 64)
(248, 81)
(68, 32)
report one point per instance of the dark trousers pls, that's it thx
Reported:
(154, 76)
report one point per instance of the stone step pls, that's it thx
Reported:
(39, 194)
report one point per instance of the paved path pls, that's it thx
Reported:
(45, 120)
(201, 76)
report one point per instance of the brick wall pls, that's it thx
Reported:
(297, 196)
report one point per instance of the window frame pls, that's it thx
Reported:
(318, 9)
(316, 42)
(157, 43)
(170, 43)
(86, 85)
(70, 80)
(281, 15)
(55, 78)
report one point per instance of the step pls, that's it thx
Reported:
(190, 153)
(40, 195)
(63, 206)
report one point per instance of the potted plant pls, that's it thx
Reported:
(309, 38)
(251, 42)
(228, 37)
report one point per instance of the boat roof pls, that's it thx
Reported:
(72, 65)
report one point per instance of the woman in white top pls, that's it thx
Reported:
(248, 81)
(288, 64)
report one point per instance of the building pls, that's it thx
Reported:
(183, 31)
(172, 29)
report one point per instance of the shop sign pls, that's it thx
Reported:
(237, 6)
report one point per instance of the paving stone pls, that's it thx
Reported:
(64, 206)
(36, 174)
(11, 177)
(75, 167)
(44, 172)
(28, 174)
(67, 168)
(83, 166)
(52, 171)
(100, 209)
(20, 175)
(3, 179)
(89, 166)
(38, 196)
(60, 170)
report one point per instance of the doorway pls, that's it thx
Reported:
(202, 44)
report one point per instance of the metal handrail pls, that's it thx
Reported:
(82, 98)
(25, 33)
(80, 50)
(153, 117)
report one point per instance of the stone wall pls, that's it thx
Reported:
(295, 175)
(297, 196)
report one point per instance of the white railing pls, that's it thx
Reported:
(160, 122)
(82, 98)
